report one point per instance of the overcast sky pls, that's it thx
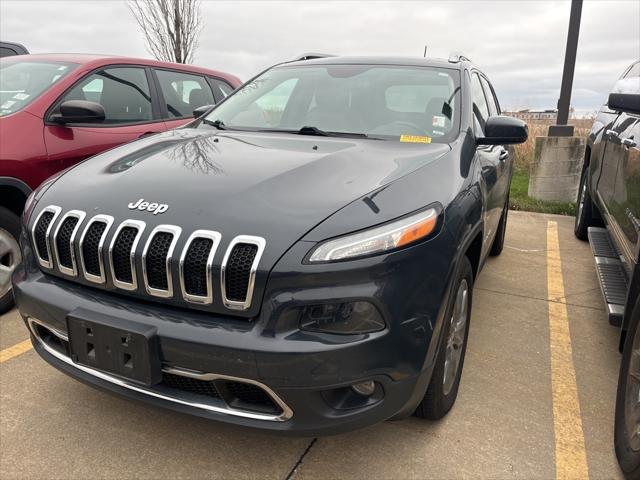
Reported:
(519, 44)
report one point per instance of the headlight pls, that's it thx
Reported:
(387, 237)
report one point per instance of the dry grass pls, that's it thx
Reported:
(524, 151)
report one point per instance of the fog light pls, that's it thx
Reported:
(346, 318)
(365, 389)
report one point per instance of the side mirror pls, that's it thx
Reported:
(503, 130)
(624, 102)
(198, 112)
(79, 111)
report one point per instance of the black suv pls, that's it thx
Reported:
(609, 196)
(300, 258)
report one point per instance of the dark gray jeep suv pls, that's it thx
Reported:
(300, 258)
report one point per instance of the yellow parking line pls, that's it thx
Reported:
(571, 456)
(15, 350)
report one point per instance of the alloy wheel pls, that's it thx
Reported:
(10, 257)
(457, 334)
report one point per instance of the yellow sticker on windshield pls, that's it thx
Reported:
(415, 139)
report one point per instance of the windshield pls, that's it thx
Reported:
(416, 104)
(22, 81)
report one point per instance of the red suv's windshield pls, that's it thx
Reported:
(23, 80)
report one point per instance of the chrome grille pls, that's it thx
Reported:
(156, 260)
(197, 280)
(239, 271)
(91, 245)
(42, 232)
(196, 264)
(122, 254)
(64, 237)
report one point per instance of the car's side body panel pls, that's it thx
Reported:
(614, 184)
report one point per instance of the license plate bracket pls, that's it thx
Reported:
(114, 345)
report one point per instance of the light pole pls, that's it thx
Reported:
(561, 129)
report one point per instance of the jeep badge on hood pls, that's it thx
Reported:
(156, 208)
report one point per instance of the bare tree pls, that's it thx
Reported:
(171, 27)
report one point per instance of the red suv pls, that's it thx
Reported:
(56, 110)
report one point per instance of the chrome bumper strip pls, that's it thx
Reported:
(286, 414)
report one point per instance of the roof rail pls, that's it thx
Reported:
(457, 58)
(311, 56)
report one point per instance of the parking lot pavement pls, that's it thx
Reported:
(507, 422)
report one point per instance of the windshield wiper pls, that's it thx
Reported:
(306, 130)
(219, 124)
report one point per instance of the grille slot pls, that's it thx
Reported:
(196, 266)
(64, 239)
(239, 270)
(42, 231)
(122, 254)
(41, 235)
(156, 260)
(91, 245)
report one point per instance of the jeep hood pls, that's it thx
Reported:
(276, 186)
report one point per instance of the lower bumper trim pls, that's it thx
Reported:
(285, 415)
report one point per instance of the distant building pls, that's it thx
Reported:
(548, 115)
(528, 114)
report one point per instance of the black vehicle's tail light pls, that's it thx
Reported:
(342, 318)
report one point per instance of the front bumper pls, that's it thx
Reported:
(308, 376)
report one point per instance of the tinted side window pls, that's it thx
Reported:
(183, 92)
(491, 100)
(123, 92)
(6, 52)
(480, 107)
(223, 89)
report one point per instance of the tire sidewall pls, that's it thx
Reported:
(580, 224)
(628, 459)
(447, 400)
(10, 222)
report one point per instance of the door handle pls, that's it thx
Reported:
(628, 142)
(504, 154)
(611, 133)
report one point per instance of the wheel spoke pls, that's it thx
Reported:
(5, 245)
(5, 279)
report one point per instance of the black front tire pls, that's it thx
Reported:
(437, 401)
(626, 399)
(584, 208)
(10, 231)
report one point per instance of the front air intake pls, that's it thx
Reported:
(63, 241)
(196, 265)
(239, 270)
(91, 245)
(64, 238)
(41, 233)
(156, 260)
(122, 254)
